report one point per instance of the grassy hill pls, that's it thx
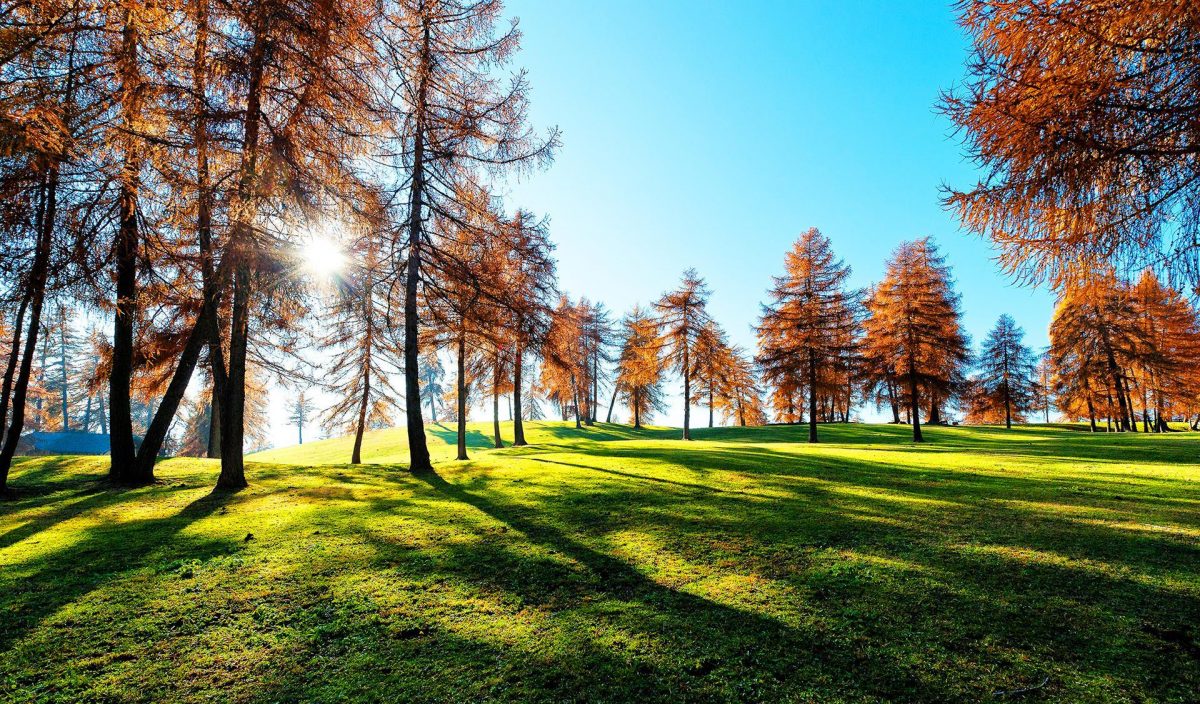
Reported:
(609, 565)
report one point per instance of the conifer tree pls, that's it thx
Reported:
(1007, 371)
(809, 326)
(682, 316)
(913, 326)
(639, 369)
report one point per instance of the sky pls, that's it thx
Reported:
(711, 134)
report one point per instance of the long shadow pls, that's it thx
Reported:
(758, 642)
(476, 440)
(104, 554)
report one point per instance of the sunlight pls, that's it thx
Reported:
(322, 255)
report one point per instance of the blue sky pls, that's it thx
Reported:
(710, 134)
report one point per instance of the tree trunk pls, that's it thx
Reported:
(594, 399)
(124, 467)
(160, 424)
(418, 450)
(496, 401)
(637, 408)
(214, 426)
(1007, 408)
(687, 397)
(812, 395)
(518, 422)
(914, 402)
(62, 357)
(462, 396)
(37, 295)
(1091, 413)
(575, 397)
(14, 357)
(611, 402)
(361, 426)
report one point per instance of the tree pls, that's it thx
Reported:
(683, 315)
(365, 352)
(299, 413)
(432, 373)
(564, 362)
(740, 395)
(530, 283)
(912, 326)
(639, 369)
(809, 326)
(454, 119)
(1007, 371)
(711, 359)
(1093, 336)
(1082, 119)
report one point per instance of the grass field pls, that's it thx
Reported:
(608, 565)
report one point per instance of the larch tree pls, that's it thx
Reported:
(808, 326)
(711, 360)
(913, 324)
(300, 412)
(740, 395)
(531, 288)
(455, 121)
(1007, 371)
(564, 362)
(1082, 118)
(366, 354)
(639, 369)
(682, 317)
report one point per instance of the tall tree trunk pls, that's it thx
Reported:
(1007, 407)
(418, 450)
(812, 395)
(62, 357)
(14, 357)
(594, 399)
(496, 400)
(914, 401)
(611, 402)
(687, 396)
(1091, 412)
(518, 421)
(637, 408)
(361, 426)
(575, 397)
(711, 394)
(214, 426)
(37, 295)
(462, 396)
(160, 424)
(124, 468)
(87, 414)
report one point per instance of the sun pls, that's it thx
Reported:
(322, 256)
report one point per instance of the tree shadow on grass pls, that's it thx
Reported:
(38, 588)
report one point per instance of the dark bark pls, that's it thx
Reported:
(160, 425)
(38, 274)
(462, 396)
(812, 395)
(687, 396)
(914, 405)
(611, 402)
(496, 401)
(14, 357)
(418, 450)
(124, 467)
(233, 407)
(518, 422)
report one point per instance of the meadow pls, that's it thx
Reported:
(608, 565)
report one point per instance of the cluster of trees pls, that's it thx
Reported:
(163, 164)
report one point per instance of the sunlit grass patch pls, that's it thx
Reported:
(607, 564)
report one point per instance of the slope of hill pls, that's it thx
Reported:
(607, 565)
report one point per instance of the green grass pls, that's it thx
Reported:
(609, 565)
